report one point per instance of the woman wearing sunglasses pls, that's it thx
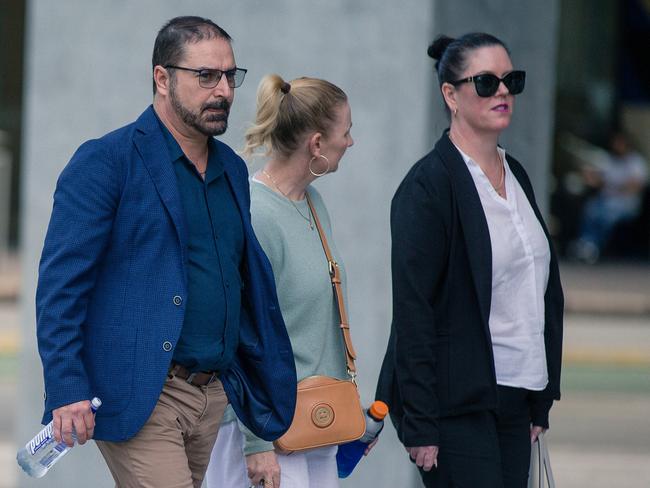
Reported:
(473, 363)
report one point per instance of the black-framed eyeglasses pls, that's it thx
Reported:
(487, 84)
(209, 78)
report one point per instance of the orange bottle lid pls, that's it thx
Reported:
(378, 410)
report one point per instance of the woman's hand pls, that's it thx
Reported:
(424, 457)
(370, 446)
(263, 466)
(535, 430)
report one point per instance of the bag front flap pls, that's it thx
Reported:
(328, 411)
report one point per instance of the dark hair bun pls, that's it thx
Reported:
(437, 47)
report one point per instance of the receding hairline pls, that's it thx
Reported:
(191, 30)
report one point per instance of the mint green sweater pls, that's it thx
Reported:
(303, 284)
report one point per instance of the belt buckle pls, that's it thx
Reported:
(191, 377)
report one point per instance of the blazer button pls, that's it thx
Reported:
(177, 300)
(167, 346)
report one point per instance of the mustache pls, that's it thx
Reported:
(217, 105)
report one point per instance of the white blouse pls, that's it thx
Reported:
(520, 269)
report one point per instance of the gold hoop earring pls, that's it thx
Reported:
(327, 170)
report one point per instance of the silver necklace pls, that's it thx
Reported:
(503, 175)
(501, 163)
(275, 183)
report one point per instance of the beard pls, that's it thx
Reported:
(208, 124)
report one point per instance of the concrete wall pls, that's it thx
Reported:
(88, 71)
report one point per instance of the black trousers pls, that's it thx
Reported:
(485, 449)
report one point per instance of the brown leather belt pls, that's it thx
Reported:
(200, 378)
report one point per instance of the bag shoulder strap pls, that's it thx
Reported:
(335, 277)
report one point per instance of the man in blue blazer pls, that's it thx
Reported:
(153, 291)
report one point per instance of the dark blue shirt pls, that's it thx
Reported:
(215, 247)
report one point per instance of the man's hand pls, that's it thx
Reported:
(425, 457)
(263, 466)
(535, 430)
(77, 416)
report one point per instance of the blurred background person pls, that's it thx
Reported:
(304, 127)
(473, 363)
(619, 181)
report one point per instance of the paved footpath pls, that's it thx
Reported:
(600, 433)
(9, 335)
(608, 288)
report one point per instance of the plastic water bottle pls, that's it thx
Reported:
(349, 454)
(42, 452)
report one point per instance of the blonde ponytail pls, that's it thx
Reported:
(286, 111)
(269, 96)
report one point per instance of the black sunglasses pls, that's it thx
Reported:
(209, 78)
(487, 84)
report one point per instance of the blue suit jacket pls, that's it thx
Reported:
(113, 262)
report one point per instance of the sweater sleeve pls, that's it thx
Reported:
(252, 443)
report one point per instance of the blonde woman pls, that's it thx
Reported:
(304, 128)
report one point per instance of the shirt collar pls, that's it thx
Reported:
(469, 161)
(215, 165)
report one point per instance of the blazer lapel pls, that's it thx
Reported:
(150, 144)
(524, 182)
(473, 223)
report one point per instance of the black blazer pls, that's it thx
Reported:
(439, 360)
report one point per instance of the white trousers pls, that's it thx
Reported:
(315, 468)
(227, 468)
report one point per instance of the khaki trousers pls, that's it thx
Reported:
(172, 450)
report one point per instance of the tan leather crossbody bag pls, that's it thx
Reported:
(328, 410)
